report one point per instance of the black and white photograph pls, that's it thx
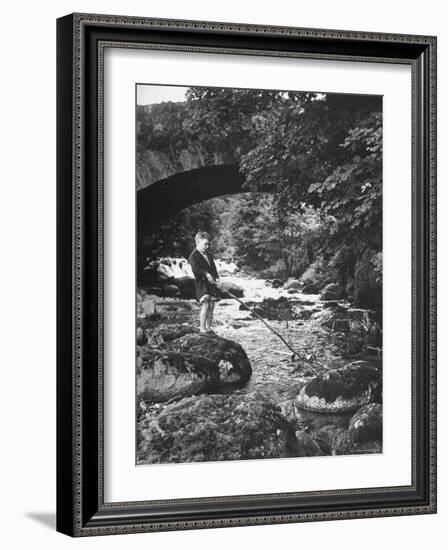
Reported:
(258, 274)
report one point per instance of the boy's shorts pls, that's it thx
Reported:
(208, 298)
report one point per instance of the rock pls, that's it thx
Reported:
(167, 333)
(236, 325)
(305, 314)
(217, 427)
(341, 325)
(292, 291)
(276, 283)
(327, 434)
(336, 307)
(344, 389)
(142, 338)
(349, 346)
(170, 290)
(292, 283)
(274, 309)
(304, 302)
(367, 284)
(231, 287)
(367, 424)
(154, 290)
(310, 288)
(307, 446)
(333, 291)
(228, 356)
(162, 375)
(291, 412)
(363, 321)
(365, 432)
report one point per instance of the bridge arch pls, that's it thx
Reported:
(161, 200)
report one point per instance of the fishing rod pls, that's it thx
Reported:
(294, 352)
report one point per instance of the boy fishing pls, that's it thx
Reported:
(205, 278)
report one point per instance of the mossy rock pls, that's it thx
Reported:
(219, 427)
(339, 390)
(229, 357)
(162, 375)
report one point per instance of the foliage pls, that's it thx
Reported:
(320, 158)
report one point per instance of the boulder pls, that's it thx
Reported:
(367, 424)
(218, 427)
(231, 287)
(229, 357)
(333, 291)
(170, 290)
(292, 283)
(162, 375)
(310, 288)
(276, 283)
(305, 314)
(164, 333)
(274, 309)
(339, 390)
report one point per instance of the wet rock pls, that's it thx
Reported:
(231, 287)
(344, 389)
(276, 283)
(170, 290)
(333, 291)
(229, 357)
(292, 283)
(336, 307)
(236, 325)
(274, 309)
(305, 314)
(310, 288)
(162, 375)
(304, 302)
(154, 290)
(217, 427)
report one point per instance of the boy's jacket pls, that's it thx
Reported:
(200, 268)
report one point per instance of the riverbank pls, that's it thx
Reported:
(314, 328)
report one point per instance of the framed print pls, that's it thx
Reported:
(246, 274)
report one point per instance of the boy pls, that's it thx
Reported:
(205, 277)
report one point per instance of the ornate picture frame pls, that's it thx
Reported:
(81, 506)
